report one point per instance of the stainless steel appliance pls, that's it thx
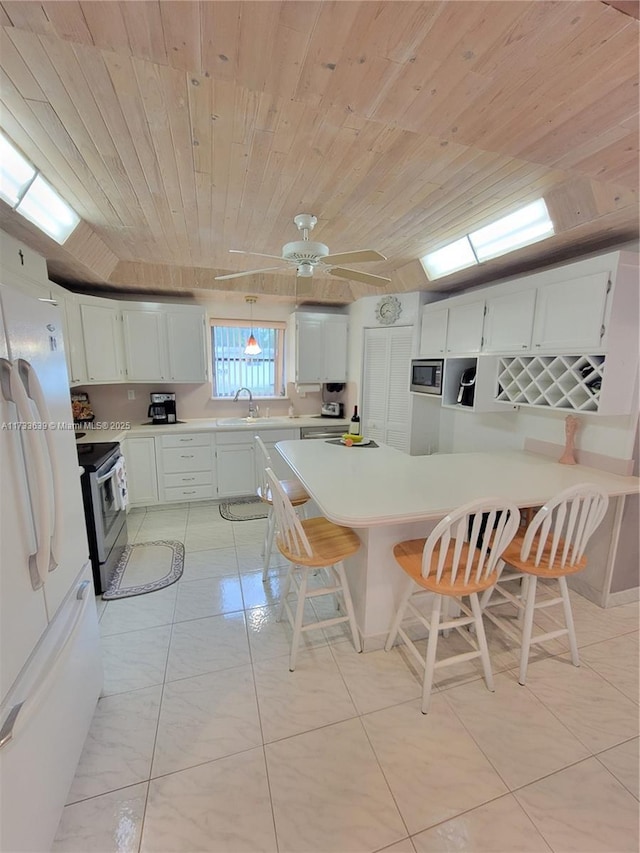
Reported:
(426, 376)
(105, 517)
(162, 409)
(332, 410)
(325, 431)
(466, 391)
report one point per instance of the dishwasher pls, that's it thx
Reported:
(325, 432)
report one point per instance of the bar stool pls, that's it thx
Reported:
(292, 488)
(551, 547)
(310, 544)
(459, 558)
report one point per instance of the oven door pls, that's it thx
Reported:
(108, 514)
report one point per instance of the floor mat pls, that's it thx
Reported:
(146, 567)
(244, 509)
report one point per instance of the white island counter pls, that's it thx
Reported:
(388, 496)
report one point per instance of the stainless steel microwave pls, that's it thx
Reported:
(426, 376)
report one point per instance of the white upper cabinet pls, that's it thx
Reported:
(433, 331)
(74, 342)
(508, 321)
(186, 345)
(570, 315)
(145, 345)
(464, 327)
(318, 348)
(102, 342)
(165, 344)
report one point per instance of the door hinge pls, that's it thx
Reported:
(485, 311)
(602, 331)
(482, 341)
(609, 286)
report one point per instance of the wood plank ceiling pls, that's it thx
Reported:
(180, 130)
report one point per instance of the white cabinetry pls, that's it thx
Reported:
(508, 321)
(74, 341)
(318, 347)
(142, 479)
(164, 344)
(386, 400)
(235, 464)
(433, 331)
(570, 315)
(102, 338)
(186, 467)
(464, 327)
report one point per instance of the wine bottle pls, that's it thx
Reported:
(354, 428)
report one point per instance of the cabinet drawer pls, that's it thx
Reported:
(270, 436)
(188, 493)
(194, 478)
(176, 460)
(195, 440)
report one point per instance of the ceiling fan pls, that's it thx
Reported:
(306, 256)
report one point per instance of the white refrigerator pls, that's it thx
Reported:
(50, 663)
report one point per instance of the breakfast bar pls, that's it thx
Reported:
(387, 496)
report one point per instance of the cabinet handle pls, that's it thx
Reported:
(186, 456)
(188, 491)
(524, 346)
(538, 345)
(188, 479)
(186, 439)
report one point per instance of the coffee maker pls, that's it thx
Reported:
(162, 409)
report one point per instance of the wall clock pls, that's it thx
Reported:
(388, 310)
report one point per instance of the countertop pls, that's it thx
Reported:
(366, 487)
(110, 431)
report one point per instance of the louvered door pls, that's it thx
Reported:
(385, 385)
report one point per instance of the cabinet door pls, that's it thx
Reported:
(508, 322)
(398, 395)
(144, 343)
(570, 315)
(375, 381)
(186, 346)
(433, 331)
(309, 349)
(74, 343)
(102, 343)
(335, 349)
(142, 479)
(236, 471)
(464, 329)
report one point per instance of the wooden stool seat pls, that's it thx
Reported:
(546, 568)
(293, 489)
(310, 544)
(459, 558)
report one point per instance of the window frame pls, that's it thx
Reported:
(279, 327)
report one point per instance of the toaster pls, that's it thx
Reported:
(332, 410)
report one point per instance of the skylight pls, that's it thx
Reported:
(521, 228)
(27, 192)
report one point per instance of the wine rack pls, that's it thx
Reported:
(557, 382)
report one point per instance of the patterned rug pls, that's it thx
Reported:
(244, 509)
(146, 567)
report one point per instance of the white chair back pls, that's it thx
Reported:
(485, 526)
(288, 525)
(567, 521)
(265, 462)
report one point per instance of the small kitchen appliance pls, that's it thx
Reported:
(163, 409)
(426, 376)
(466, 391)
(332, 410)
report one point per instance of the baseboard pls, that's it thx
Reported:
(624, 596)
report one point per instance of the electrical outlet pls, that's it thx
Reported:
(131, 394)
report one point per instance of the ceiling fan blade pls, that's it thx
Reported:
(364, 277)
(248, 272)
(255, 254)
(354, 257)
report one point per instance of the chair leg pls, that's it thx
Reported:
(297, 626)
(486, 595)
(527, 627)
(285, 591)
(430, 661)
(444, 613)
(482, 641)
(397, 619)
(568, 618)
(268, 543)
(349, 605)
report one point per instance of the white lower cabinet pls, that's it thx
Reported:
(142, 479)
(236, 470)
(186, 467)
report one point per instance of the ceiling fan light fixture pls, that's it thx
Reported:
(252, 347)
(305, 270)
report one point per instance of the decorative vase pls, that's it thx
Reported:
(571, 424)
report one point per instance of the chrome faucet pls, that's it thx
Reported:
(253, 410)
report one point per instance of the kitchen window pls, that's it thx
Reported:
(262, 374)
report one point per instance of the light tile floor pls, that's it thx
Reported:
(204, 741)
